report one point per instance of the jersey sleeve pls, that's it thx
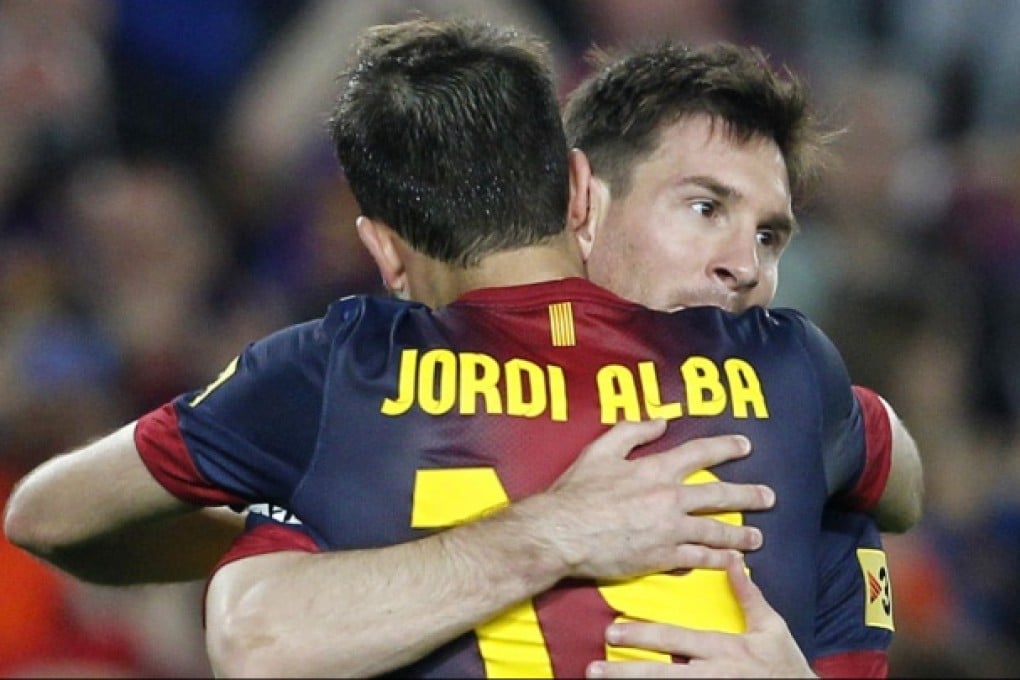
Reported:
(249, 435)
(854, 623)
(856, 439)
(853, 665)
(269, 529)
(870, 483)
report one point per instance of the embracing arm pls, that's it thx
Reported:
(901, 504)
(365, 612)
(98, 514)
(889, 483)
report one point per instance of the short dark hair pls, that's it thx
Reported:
(617, 114)
(450, 132)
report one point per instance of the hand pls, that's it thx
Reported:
(611, 517)
(766, 650)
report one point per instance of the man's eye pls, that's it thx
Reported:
(704, 208)
(769, 238)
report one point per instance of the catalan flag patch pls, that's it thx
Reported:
(561, 324)
(877, 587)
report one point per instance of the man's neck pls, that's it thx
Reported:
(558, 259)
(533, 264)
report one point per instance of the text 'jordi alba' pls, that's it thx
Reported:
(441, 381)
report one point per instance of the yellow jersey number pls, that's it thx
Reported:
(512, 644)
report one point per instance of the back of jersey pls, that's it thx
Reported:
(432, 419)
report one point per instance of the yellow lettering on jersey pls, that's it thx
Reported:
(407, 384)
(708, 600)
(618, 394)
(525, 388)
(745, 389)
(653, 399)
(557, 394)
(437, 381)
(511, 644)
(706, 395)
(708, 604)
(448, 496)
(877, 588)
(479, 377)
(224, 375)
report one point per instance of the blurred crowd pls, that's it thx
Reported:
(168, 194)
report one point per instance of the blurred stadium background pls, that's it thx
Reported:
(167, 193)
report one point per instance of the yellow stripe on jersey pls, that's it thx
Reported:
(561, 324)
(224, 375)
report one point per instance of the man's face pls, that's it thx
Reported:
(705, 223)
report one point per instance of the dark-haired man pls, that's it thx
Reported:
(697, 169)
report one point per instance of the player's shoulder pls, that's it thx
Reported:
(340, 320)
(777, 317)
(350, 311)
(785, 319)
(778, 328)
(757, 322)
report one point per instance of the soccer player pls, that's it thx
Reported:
(691, 174)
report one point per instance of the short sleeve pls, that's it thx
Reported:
(250, 434)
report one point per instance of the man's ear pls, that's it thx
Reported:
(381, 243)
(589, 199)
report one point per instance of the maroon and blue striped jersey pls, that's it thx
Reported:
(385, 421)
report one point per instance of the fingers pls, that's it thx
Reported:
(659, 637)
(693, 555)
(715, 497)
(666, 639)
(622, 438)
(682, 460)
(705, 452)
(712, 533)
(757, 611)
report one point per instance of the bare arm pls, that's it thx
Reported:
(358, 613)
(98, 514)
(901, 504)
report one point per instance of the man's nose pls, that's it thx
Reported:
(737, 265)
